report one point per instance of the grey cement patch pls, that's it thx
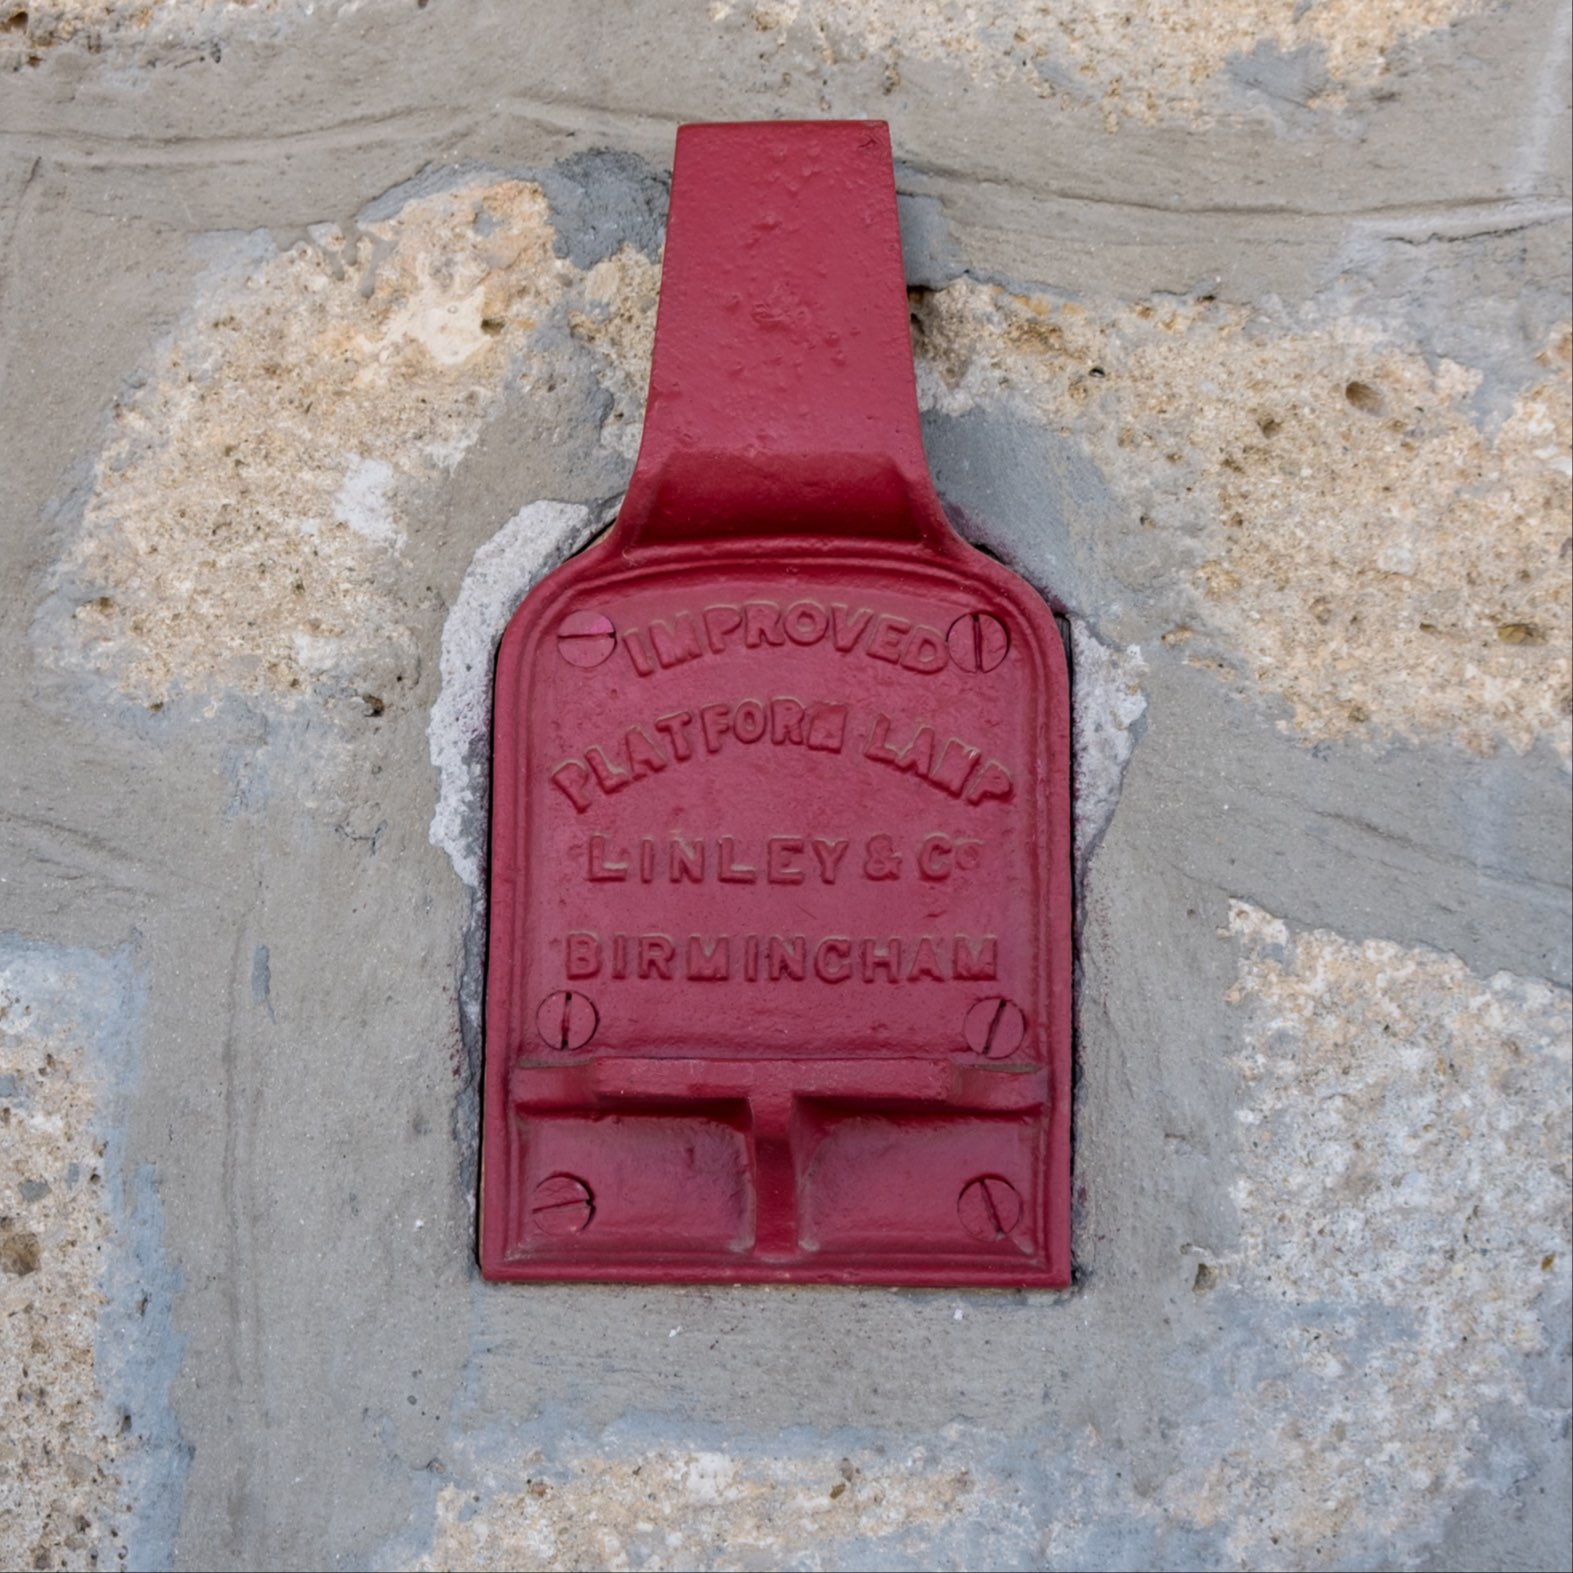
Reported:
(929, 254)
(1288, 82)
(140, 1353)
(1427, 846)
(1037, 501)
(1484, 295)
(139, 1350)
(603, 200)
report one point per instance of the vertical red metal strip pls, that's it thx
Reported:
(782, 399)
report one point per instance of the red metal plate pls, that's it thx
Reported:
(779, 979)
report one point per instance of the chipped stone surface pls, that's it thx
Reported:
(60, 1480)
(535, 540)
(678, 1508)
(1141, 63)
(30, 27)
(1403, 1196)
(1356, 542)
(245, 524)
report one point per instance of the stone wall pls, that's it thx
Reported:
(1242, 331)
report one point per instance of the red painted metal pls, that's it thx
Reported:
(780, 966)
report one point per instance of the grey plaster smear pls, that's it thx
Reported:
(1428, 846)
(930, 257)
(77, 997)
(603, 200)
(600, 200)
(1033, 497)
(1488, 296)
(533, 542)
(1289, 81)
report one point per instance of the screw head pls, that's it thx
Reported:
(994, 1028)
(977, 641)
(562, 1204)
(989, 1208)
(566, 1020)
(586, 638)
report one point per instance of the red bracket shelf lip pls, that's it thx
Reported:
(917, 1272)
(919, 1083)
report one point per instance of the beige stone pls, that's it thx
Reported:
(1404, 1172)
(28, 28)
(246, 523)
(58, 1481)
(1358, 544)
(1143, 63)
(702, 1509)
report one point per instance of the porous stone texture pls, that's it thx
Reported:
(1136, 62)
(702, 1509)
(1241, 332)
(174, 30)
(245, 522)
(62, 1485)
(1406, 1158)
(58, 1475)
(1346, 534)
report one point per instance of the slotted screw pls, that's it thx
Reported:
(994, 1028)
(586, 638)
(989, 1208)
(567, 1020)
(977, 641)
(562, 1204)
